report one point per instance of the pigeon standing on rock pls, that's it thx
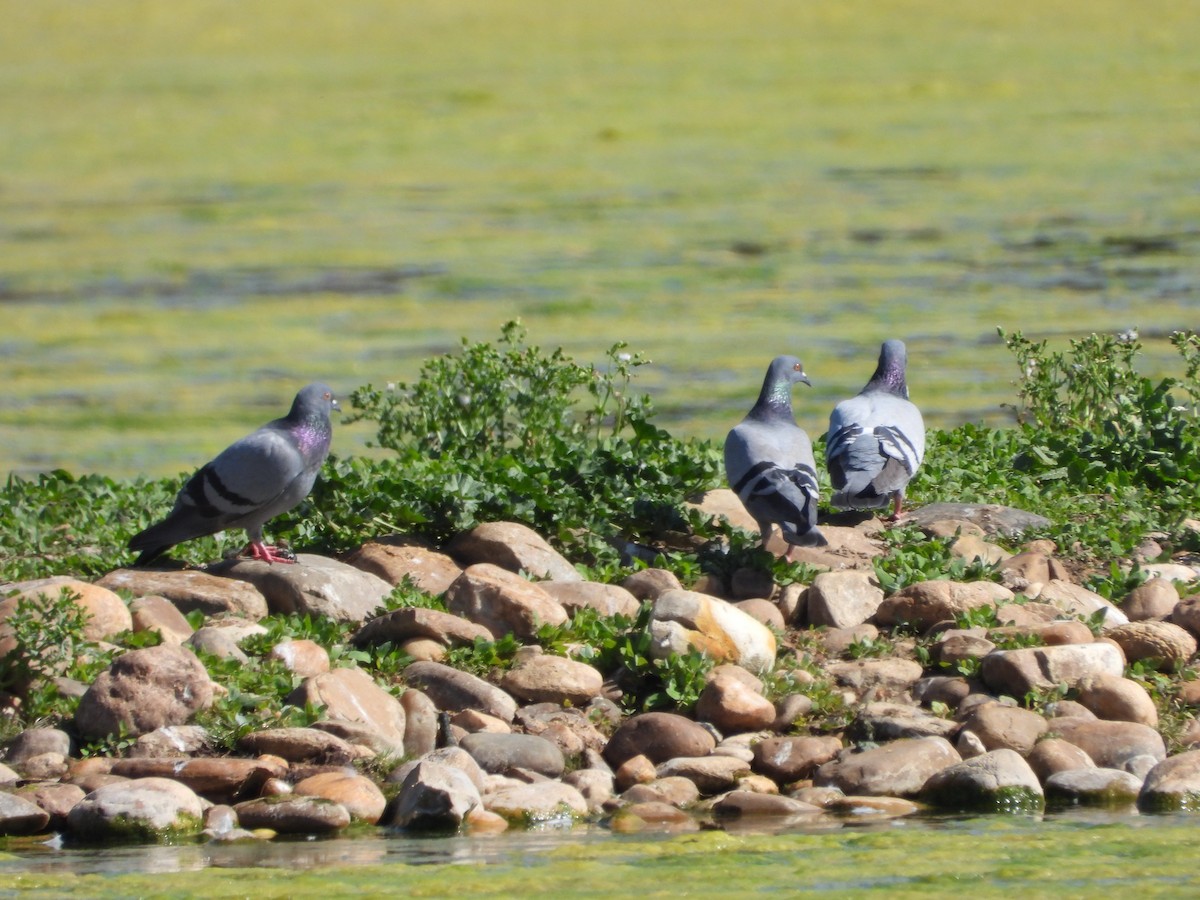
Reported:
(253, 480)
(769, 461)
(876, 440)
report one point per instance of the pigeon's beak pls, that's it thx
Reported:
(804, 378)
(333, 402)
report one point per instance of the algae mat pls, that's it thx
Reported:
(989, 858)
(204, 204)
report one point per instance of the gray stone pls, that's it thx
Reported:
(897, 769)
(992, 518)
(21, 816)
(606, 599)
(542, 802)
(500, 753)
(1017, 672)
(1092, 787)
(843, 599)
(434, 796)
(997, 781)
(314, 586)
(144, 808)
(1173, 785)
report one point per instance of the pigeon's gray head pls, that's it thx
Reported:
(783, 372)
(787, 370)
(889, 374)
(315, 401)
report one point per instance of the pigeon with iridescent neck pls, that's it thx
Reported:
(253, 480)
(876, 440)
(769, 461)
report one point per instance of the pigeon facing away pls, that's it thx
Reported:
(769, 461)
(876, 440)
(253, 480)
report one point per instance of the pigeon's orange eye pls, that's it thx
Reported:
(798, 367)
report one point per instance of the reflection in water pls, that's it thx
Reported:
(514, 847)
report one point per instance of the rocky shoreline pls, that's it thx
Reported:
(828, 702)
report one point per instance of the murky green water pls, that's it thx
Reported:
(1065, 855)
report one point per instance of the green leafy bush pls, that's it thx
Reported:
(507, 432)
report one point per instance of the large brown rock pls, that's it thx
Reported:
(1111, 744)
(143, 690)
(538, 677)
(1006, 727)
(1119, 699)
(1154, 599)
(351, 695)
(788, 759)
(1017, 672)
(512, 546)
(659, 736)
(502, 602)
(997, 781)
(452, 690)
(606, 599)
(1173, 785)
(1164, 645)
(397, 557)
(927, 603)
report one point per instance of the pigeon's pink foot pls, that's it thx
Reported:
(269, 554)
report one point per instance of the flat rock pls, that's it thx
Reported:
(538, 677)
(1092, 787)
(1075, 600)
(217, 779)
(748, 804)
(711, 774)
(299, 745)
(992, 518)
(544, 801)
(105, 614)
(407, 623)
(313, 586)
(293, 814)
(606, 599)
(192, 589)
(160, 616)
(19, 816)
(928, 603)
(896, 769)
(1111, 744)
(501, 753)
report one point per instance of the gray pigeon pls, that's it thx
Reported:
(876, 440)
(250, 482)
(769, 461)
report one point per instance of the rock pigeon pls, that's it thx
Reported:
(876, 440)
(769, 461)
(250, 482)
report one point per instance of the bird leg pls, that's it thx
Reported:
(897, 507)
(269, 553)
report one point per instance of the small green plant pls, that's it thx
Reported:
(914, 558)
(49, 639)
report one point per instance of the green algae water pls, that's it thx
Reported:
(201, 212)
(1066, 855)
